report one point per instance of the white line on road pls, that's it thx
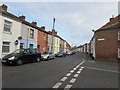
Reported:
(102, 69)
(57, 85)
(82, 62)
(64, 78)
(72, 71)
(74, 68)
(78, 72)
(67, 87)
(72, 80)
(68, 74)
(77, 66)
(80, 69)
(76, 75)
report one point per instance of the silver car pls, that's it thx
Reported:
(47, 55)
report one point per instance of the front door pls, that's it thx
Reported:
(30, 46)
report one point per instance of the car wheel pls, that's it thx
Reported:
(19, 62)
(48, 58)
(38, 60)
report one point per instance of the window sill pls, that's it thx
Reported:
(31, 38)
(7, 32)
(5, 53)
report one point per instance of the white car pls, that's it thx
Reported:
(69, 53)
(47, 55)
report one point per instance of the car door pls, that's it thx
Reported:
(32, 55)
(26, 56)
(37, 54)
(52, 55)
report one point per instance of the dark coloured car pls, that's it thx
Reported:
(20, 56)
(60, 54)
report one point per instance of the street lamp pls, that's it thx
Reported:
(53, 34)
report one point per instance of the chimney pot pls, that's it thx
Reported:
(22, 17)
(34, 23)
(4, 7)
(43, 27)
(112, 18)
(54, 32)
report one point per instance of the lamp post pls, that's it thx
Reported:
(53, 34)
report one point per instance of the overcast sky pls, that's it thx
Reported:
(74, 20)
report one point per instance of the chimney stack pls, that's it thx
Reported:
(3, 8)
(43, 28)
(112, 18)
(22, 17)
(34, 23)
(54, 32)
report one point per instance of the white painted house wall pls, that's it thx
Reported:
(11, 36)
(50, 42)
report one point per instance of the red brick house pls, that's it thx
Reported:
(107, 41)
(42, 40)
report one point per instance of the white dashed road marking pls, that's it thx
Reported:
(57, 85)
(68, 86)
(77, 66)
(76, 75)
(64, 78)
(72, 71)
(74, 68)
(72, 80)
(82, 67)
(68, 74)
(78, 71)
(81, 62)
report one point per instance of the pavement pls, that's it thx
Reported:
(70, 72)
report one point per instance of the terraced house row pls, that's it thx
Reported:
(17, 33)
(105, 43)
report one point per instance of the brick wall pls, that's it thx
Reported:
(106, 49)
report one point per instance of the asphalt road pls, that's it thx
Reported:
(75, 71)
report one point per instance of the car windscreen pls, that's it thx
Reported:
(18, 51)
(60, 52)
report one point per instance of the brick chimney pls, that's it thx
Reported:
(34, 23)
(22, 17)
(112, 18)
(43, 27)
(3, 8)
(54, 32)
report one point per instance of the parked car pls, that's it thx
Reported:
(73, 52)
(60, 54)
(20, 56)
(47, 55)
(69, 53)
